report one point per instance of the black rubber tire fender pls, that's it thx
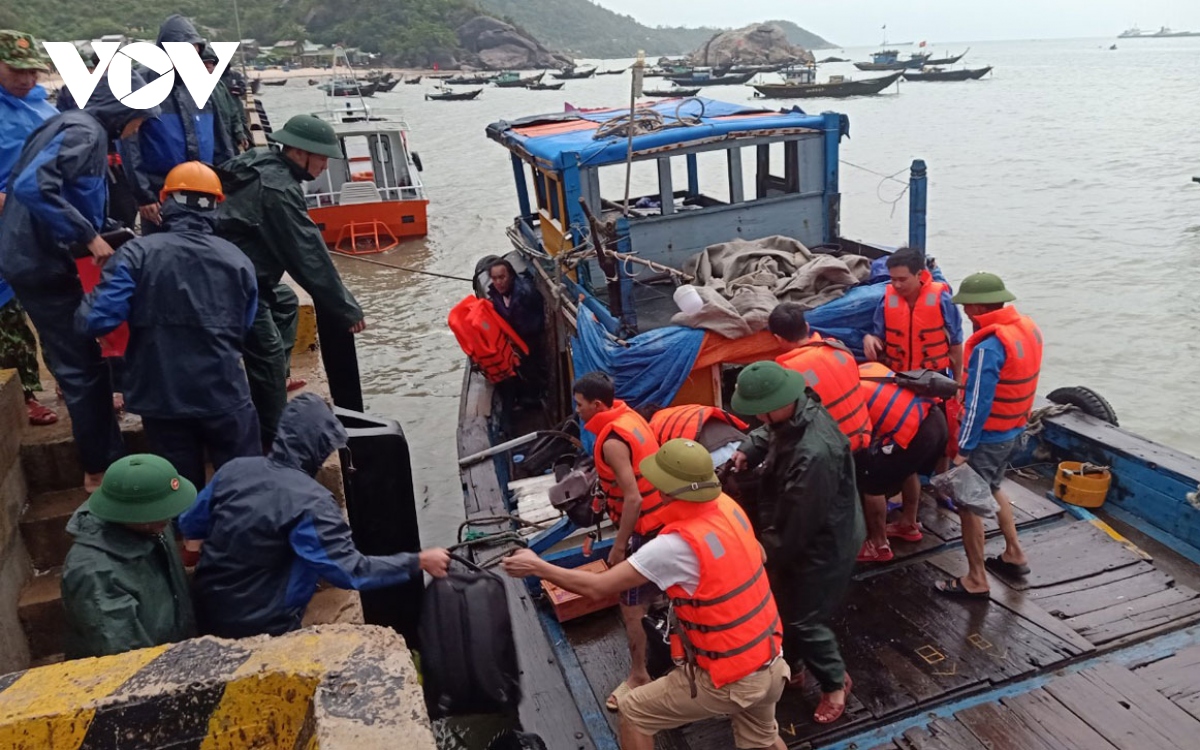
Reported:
(416, 160)
(1087, 401)
(513, 740)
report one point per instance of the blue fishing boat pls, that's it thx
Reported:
(1098, 645)
(889, 59)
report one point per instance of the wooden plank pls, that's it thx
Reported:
(602, 649)
(1177, 678)
(547, 706)
(1086, 584)
(1139, 623)
(1067, 552)
(1100, 596)
(1125, 609)
(1033, 504)
(943, 734)
(1125, 710)
(1019, 603)
(1028, 508)
(1055, 724)
(1001, 728)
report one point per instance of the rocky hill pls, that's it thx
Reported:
(412, 32)
(757, 44)
(591, 30)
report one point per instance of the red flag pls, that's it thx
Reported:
(922, 44)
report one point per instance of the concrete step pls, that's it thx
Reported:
(48, 454)
(43, 526)
(40, 610)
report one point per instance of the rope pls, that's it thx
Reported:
(882, 179)
(1037, 419)
(395, 267)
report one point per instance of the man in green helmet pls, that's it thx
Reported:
(809, 519)
(1004, 360)
(123, 584)
(265, 215)
(725, 626)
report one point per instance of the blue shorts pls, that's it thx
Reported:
(647, 593)
(989, 460)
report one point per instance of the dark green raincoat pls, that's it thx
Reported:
(812, 529)
(265, 215)
(122, 590)
(229, 120)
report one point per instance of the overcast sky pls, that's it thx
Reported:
(858, 22)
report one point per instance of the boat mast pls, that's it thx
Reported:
(237, 19)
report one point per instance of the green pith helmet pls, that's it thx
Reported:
(766, 386)
(309, 133)
(982, 289)
(21, 51)
(682, 469)
(141, 489)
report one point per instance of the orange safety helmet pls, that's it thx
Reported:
(192, 177)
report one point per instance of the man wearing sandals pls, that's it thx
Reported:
(726, 635)
(1004, 359)
(809, 519)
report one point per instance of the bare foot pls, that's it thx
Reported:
(92, 482)
(118, 402)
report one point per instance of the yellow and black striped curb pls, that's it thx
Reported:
(333, 686)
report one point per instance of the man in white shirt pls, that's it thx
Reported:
(710, 565)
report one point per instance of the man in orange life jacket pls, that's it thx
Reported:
(726, 633)
(908, 436)
(623, 439)
(1004, 359)
(916, 325)
(829, 369)
(715, 429)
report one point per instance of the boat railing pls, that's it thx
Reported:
(327, 198)
(352, 113)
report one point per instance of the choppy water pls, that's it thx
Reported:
(1068, 172)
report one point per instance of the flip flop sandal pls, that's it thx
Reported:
(1004, 568)
(953, 588)
(295, 384)
(40, 415)
(827, 712)
(798, 680)
(613, 702)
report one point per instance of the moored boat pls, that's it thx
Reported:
(475, 79)
(542, 86)
(280, 82)
(572, 73)
(443, 94)
(413, 81)
(372, 199)
(837, 87)
(709, 77)
(678, 91)
(513, 80)
(937, 74)
(889, 59)
(616, 72)
(1010, 670)
(946, 60)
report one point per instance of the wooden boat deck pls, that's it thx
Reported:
(914, 654)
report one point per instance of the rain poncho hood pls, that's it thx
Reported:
(178, 28)
(308, 433)
(111, 112)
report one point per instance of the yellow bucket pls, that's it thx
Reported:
(1085, 485)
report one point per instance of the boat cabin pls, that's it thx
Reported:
(710, 172)
(801, 74)
(373, 198)
(885, 56)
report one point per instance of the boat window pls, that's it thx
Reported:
(776, 169)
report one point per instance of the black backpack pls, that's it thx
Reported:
(468, 658)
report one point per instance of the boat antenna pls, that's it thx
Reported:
(635, 90)
(884, 45)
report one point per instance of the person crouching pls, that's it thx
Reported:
(726, 637)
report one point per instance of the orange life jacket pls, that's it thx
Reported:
(628, 425)
(830, 370)
(915, 337)
(896, 413)
(730, 623)
(487, 338)
(1022, 342)
(686, 421)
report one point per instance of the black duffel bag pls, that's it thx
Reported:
(468, 657)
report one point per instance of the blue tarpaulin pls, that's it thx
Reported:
(565, 146)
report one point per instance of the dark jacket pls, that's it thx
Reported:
(122, 590)
(189, 298)
(524, 310)
(182, 131)
(58, 190)
(809, 510)
(264, 214)
(271, 531)
(229, 130)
